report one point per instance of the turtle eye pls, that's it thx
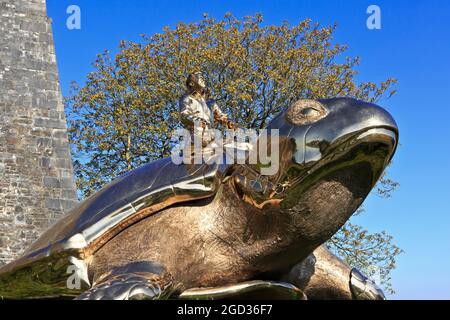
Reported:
(310, 112)
(305, 111)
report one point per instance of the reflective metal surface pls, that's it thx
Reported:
(331, 154)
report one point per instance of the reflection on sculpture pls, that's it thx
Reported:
(219, 230)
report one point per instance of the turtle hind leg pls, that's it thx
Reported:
(134, 281)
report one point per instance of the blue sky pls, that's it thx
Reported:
(413, 46)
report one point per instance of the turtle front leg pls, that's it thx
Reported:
(254, 289)
(134, 281)
(324, 276)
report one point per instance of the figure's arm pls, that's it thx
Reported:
(220, 116)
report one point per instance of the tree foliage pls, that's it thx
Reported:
(125, 112)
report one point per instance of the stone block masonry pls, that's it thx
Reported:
(36, 175)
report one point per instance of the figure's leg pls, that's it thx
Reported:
(324, 276)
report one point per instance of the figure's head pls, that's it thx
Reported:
(332, 153)
(196, 83)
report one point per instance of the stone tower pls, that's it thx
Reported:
(36, 176)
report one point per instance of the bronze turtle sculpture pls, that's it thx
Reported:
(208, 231)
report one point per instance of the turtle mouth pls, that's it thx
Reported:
(381, 135)
(321, 150)
(376, 145)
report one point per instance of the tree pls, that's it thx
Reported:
(124, 114)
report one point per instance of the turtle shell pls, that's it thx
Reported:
(129, 198)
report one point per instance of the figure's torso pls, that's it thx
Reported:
(198, 107)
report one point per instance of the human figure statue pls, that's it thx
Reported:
(198, 113)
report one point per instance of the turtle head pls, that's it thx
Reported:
(331, 154)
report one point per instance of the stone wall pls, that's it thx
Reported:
(36, 177)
